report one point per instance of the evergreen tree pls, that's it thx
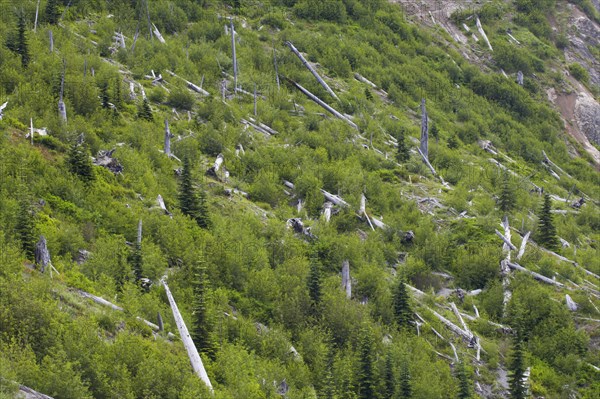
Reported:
(18, 42)
(26, 227)
(547, 231)
(517, 370)
(452, 142)
(201, 324)
(402, 154)
(104, 97)
(366, 374)
(368, 94)
(435, 132)
(117, 95)
(401, 304)
(464, 385)
(145, 112)
(405, 386)
(389, 378)
(507, 195)
(137, 261)
(79, 161)
(52, 14)
(191, 204)
(314, 286)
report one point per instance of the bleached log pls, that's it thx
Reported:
(564, 243)
(42, 255)
(424, 146)
(520, 78)
(361, 78)
(139, 233)
(157, 34)
(506, 248)
(256, 127)
(571, 303)
(454, 350)
(515, 40)
(51, 38)
(37, 10)
(132, 90)
(161, 204)
(2, 108)
(427, 162)
(288, 184)
(523, 244)
(276, 70)
(268, 129)
(99, 300)
(482, 33)
(168, 137)
(188, 343)
(378, 223)
(550, 163)
(29, 393)
(337, 200)
(476, 311)
(189, 84)
(535, 275)
(506, 240)
(312, 70)
(346, 280)
(487, 145)
(135, 37)
(416, 291)
(323, 104)
(212, 171)
(363, 211)
(453, 327)
(459, 317)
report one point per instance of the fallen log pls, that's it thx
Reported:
(523, 244)
(157, 34)
(29, 393)
(235, 66)
(312, 70)
(190, 85)
(323, 104)
(506, 240)
(188, 343)
(535, 275)
(571, 304)
(482, 33)
(337, 200)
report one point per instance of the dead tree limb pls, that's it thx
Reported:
(189, 84)
(195, 360)
(506, 240)
(535, 275)
(482, 33)
(323, 104)
(157, 32)
(312, 70)
(523, 244)
(346, 280)
(337, 200)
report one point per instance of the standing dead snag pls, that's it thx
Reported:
(157, 33)
(62, 109)
(42, 255)
(312, 70)
(212, 171)
(424, 147)
(235, 66)
(482, 32)
(346, 280)
(168, 136)
(188, 343)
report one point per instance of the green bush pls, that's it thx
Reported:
(579, 73)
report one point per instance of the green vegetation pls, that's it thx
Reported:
(260, 295)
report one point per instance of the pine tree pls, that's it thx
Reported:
(507, 195)
(366, 375)
(79, 161)
(52, 14)
(517, 370)
(402, 154)
(145, 112)
(19, 43)
(191, 204)
(314, 286)
(26, 227)
(405, 386)
(547, 231)
(104, 97)
(464, 385)
(389, 378)
(117, 95)
(137, 261)
(435, 132)
(452, 142)
(201, 325)
(401, 304)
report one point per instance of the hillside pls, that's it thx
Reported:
(346, 199)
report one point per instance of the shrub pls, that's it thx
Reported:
(579, 73)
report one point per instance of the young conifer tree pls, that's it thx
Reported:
(547, 231)
(202, 325)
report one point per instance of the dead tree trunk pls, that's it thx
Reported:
(327, 211)
(312, 70)
(337, 200)
(520, 78)
(482, 33)
(346, 281)
(195, 360)
(523, 244)
(42, 255)
(30, 393)
(157, 33)
(62, 109)
(51, 40)
(424, 133)
(212, 171)
(190, 85)
(324, 105)
(535, 275)
(235, 66)
(168, 136)
(37, 10)
(139, 233)
(276, 69)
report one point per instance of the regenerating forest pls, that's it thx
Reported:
(296, 199)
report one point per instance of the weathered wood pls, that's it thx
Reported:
(506, 240)
(29, 393)
(523, 244)
(426, 160)
(453, 327)
(346, 280)
(212, 171)
(276, 70)
(362, 210)
(323, 104)
(424, 146)
(161, 204)
(189, 84)
(312, 70)
(255, 110)
(459, 317)
(571, 304)
(327, 211)
(51, 38)
(361, 78)
(506, 247)
(168, 136)
(266, 128)
(520, 78)
(535, 275)
(135, 37)
(42, 255)
(139, 233)
(188, 343)
(159, 320)
(235, 66)
(550, 163)
(62, 108)
(37, 10)
(2, 108)
(337, 200)
(157, 33)
(482, 33)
